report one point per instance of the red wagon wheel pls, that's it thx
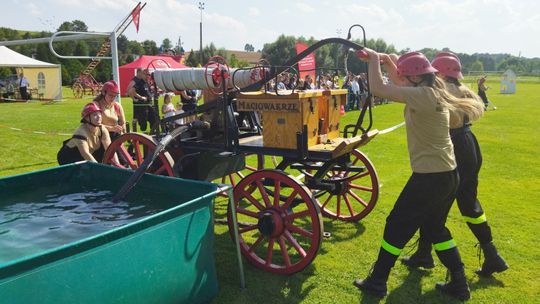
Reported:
(280, 225)
(132, 148)
(357, 198)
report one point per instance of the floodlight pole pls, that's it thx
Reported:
(201, 8)
(338, 32)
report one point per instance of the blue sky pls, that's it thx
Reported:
(492, 26)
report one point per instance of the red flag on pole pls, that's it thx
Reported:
(136, 14)
(307, 64)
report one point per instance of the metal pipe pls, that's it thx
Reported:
(80, 36)
(114, 59)
(232, 207)
(53, 37)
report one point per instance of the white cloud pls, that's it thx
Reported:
(375, 15)
(33, 9)
(253, 11)
(99, 4)
(284, 11)
(305, 8)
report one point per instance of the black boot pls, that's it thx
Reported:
(375, 283)
(457, 287)
(421, 258)
(493, 262)
(373, 286)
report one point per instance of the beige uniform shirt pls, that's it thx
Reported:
(109, 116)
(93, 138)
(428, 138)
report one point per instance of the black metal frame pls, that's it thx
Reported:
(301, 158)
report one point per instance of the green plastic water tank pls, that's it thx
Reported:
(166, 257)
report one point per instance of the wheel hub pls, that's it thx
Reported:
(270, 224)
(341, 186)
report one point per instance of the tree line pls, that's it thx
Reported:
(333, 56)
(330, 56)
(128, 50)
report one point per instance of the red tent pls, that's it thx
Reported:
(128, 71)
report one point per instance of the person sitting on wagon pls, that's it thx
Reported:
(89, 141)
(112, 112)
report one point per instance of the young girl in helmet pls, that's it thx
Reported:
(428, 195)
(89, 141)
(469, 161)
(113, 113)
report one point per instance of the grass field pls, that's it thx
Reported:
(509, 187)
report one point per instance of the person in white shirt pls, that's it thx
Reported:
(168, 109)
(179, 110)
(23, 86)
(355, 87)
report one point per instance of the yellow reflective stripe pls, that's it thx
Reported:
(476, 220)
(393, 250)
(445, 245)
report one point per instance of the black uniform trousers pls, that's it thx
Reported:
(424, 202)
(24, 93)
(469, 162)
(68, 155)
(144, 113)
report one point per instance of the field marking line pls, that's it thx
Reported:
(388, 130)
(35, 132)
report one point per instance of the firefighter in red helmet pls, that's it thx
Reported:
(89, 141)
(428, 194)
(114, 119)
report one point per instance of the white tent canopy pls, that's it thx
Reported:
(10, 58)
(45, 79)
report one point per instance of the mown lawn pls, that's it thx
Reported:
(509, 187)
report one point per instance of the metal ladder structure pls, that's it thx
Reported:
(86, 81)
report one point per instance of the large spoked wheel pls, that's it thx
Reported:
(78, 90)
(132, 148)
(358, 196)
(280, 226)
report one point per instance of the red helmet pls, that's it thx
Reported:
(448, 64)
(414, 64)
(445, 54)
(110, 86)
(89, 109)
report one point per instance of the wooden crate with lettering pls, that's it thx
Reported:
(330, 113)
(285, 115)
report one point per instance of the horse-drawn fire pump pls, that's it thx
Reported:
(255, 139)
